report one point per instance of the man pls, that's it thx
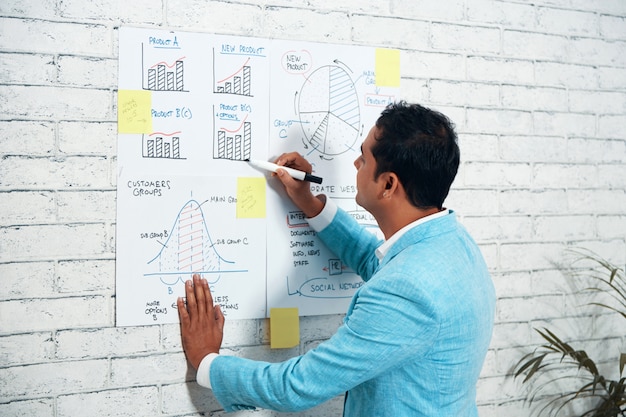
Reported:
(416, 334)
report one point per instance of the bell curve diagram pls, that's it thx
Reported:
(189, 249)
(328, 107)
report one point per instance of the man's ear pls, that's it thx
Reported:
(390, 183)
(393, 182)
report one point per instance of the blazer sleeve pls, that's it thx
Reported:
(385, 327)
(352, 243)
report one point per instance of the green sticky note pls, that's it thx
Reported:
(134, 111)
(251, 198)
(387, 67)
(284, 328)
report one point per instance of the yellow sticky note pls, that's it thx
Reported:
(251, 198)
(284, 328)
(134, 111)
(387, 67)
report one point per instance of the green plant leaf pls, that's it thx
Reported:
(556, 361)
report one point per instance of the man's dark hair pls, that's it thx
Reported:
(420, 146)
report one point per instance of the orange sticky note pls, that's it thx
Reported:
(387, 67)
(134, 111)
(284, 328)
(251, 198)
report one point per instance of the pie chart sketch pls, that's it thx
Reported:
(328, 106)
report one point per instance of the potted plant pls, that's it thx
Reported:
(557, 363)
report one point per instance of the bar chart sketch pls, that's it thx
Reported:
(236, 81)
(233, 144)
(328, 106)
(163, 75)
(189, 249)
(161, 146)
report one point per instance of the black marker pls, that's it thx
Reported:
(293, 173)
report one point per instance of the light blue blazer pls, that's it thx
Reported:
(412, 343)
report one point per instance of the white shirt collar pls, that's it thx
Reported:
(382, 250)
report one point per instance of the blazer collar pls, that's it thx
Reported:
(435, 227)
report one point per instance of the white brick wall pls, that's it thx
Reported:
(537, 91)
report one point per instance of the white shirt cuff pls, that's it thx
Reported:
(325, 217)
(203, 376)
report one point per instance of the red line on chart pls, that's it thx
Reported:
(193, 233)
(238, 129)
(168, 65)
(165, 134)
(235, 73)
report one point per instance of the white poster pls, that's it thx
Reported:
(188, 202)
(176, 226)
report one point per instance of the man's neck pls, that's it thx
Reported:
(395, 219)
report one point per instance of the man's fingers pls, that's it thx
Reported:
(202, 324)
(294, 160)
(192, 308)
(182, 311)
(199, 303)
(200, 296)
(219, 318)
(208, 297)
(285, 178)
